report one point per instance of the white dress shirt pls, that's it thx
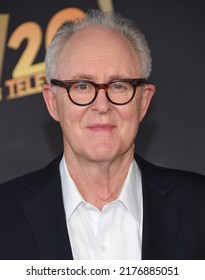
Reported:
(111, 234)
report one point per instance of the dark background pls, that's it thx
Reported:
(173, 132)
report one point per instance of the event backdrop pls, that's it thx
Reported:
(173, 132)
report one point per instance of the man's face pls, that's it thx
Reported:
(101, 131)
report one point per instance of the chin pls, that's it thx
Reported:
(99, 155)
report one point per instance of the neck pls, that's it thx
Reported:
(99, 182)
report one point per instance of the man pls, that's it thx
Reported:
(98, 200)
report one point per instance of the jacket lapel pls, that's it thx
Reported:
(46, 216)
(161, 216)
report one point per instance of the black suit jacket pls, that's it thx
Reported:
(33, 225)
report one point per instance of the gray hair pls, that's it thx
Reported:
(110, 20)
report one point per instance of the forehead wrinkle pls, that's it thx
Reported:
(89, 55)
(108, 69)
(81, 76)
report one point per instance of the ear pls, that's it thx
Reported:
(147, 94)
(50, 100)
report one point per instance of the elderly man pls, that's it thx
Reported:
(98, 200)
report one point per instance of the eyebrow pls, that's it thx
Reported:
(83, 77)
(92, 78)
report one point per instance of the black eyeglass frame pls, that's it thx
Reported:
(68, 83)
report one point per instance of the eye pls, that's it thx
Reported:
(81, 86)
(119, 86)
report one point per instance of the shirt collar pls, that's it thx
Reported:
(130, 196)
(71, 196)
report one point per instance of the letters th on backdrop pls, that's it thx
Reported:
(172, 134)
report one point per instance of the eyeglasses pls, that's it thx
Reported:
(84, 92)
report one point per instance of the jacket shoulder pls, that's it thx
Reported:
(33, 181)
(191, 181)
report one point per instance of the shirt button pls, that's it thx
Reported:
(103, 248)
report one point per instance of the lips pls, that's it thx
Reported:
(101, 127)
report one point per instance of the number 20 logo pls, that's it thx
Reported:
(33, 33)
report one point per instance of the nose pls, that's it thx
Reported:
(101, 103)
